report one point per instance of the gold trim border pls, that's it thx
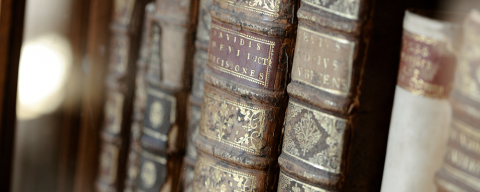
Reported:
(350, 62)
(252, 38)
(158, 159)
(155, 134)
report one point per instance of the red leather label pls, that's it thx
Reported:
(426, 66)
(243, 56)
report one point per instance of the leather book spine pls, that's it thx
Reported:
(421, 112)
(460, 171)
(139, 100)
(249, 60)
(341, 94)
(326, 73)
(125, 37)
(168, 79)
(195, 98)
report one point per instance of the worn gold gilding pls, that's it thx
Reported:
(345, 8)
(249, 138)
(314, 137)
(328, 69)
(287, 183)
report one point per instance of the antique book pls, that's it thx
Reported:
(195, 98)
(125, 27)
(460, 171)
(249, 59)
(421, 113)
(139, 103)
(341, 95)
(168, 79)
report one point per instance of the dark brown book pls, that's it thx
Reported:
(341, 95)
(150, 40)
(460, 171)
(125, 27)
(244, 101)
(195, 98)
(168, 79)
(11, 34)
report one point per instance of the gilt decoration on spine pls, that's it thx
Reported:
(249, 58)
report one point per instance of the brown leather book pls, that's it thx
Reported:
(149, 42)
(125, 29)
(341, 94)
(195, 98)
(244, 101)
(460, 171)
(168, 79)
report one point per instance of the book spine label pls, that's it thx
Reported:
(424, 68)
(243, 56)
(324, 61)
(159, 115)
(151, 176)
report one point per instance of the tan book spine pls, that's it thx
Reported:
(460, 171)
(125, 29)
(421, 112)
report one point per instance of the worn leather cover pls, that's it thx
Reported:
(168, 80)
(461, 168)
(249, 59)
(341, 94)
(125, 37)
(195, 98)
(149, 41)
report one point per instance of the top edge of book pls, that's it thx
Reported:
(433, 28)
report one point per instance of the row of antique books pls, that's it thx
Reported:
(290, 95)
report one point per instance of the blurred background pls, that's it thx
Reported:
(45, 90)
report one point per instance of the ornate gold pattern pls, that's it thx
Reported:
(345, 8)
(285, 182)
(302, 127)
(148, 174)
(108, 163)
(467, 136)
(266, 7)
(213, 177)
(220, 125)
(252, 38)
